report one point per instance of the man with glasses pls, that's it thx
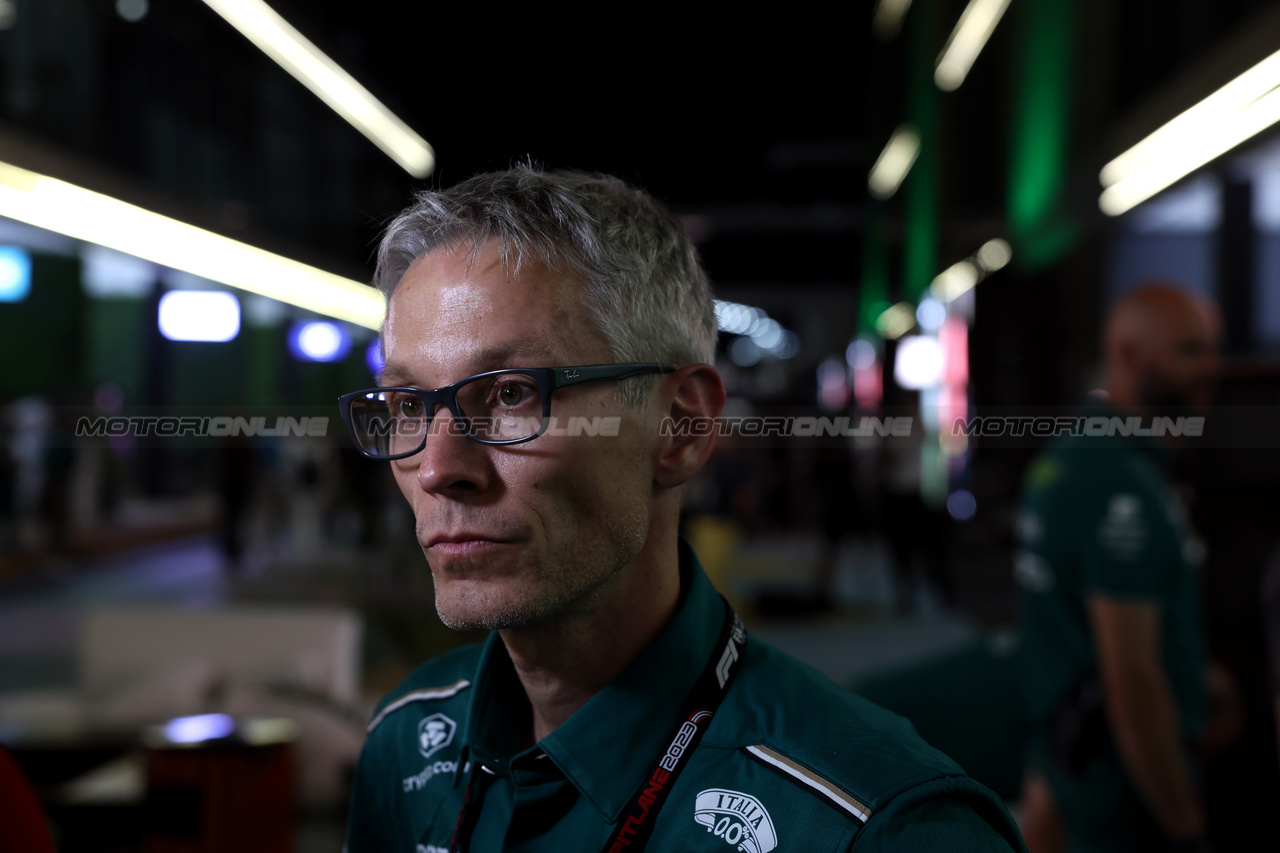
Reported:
(541, 330)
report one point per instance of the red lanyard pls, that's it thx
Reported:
(636, 824)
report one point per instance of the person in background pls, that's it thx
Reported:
(1113, 650)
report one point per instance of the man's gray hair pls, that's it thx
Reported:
(643, 283)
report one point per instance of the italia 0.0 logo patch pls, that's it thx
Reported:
(736, 818)
(434, 734)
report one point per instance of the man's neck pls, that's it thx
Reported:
(562, 665)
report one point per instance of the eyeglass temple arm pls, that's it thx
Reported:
(575, 375)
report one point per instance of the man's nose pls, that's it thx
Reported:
(450, 462)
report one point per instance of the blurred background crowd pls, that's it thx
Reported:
(905, 213)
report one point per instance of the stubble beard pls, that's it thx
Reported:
(548, 594)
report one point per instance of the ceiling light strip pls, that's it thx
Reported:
(894, 162)
(977, 23)
(82, 214)
(886, 20)
(1199, 119)
(1190, 154)
(275, 37)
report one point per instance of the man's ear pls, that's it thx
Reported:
(693, 399)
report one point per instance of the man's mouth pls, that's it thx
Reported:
(463, 542)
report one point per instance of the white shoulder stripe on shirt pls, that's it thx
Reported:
(446, 692)
(839, 798)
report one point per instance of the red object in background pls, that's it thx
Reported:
(220, 796)
(22, 822)
(953, 337)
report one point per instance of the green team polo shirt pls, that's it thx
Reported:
(1098, 517)
(790, 761)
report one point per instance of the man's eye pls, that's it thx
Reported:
(512, 394)
(408, 406)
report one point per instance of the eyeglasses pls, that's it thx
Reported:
(499, 407)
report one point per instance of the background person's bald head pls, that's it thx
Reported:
(1161, 347)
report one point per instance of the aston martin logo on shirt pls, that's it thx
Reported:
(736, 818)
(1123, 532)
(434, 734)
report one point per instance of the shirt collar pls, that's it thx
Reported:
(609, 743)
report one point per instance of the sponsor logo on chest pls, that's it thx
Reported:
(435, 733)
(737, 819)
(418, 781)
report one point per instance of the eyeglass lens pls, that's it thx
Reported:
(503, 407)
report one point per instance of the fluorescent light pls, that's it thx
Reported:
(95, 218)
(286, 46)
(977, 22)
(886, 21)
(894, 162)
(199, 315)
(954, 280)
(1167, 156)
(1197, 120)
(994, 254)
(896, 321)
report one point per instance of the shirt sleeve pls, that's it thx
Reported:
(1126, 544)
(952, 814)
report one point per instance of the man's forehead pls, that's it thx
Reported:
(515, 353)
(451, 316)
(468, 256)
(449, 276)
